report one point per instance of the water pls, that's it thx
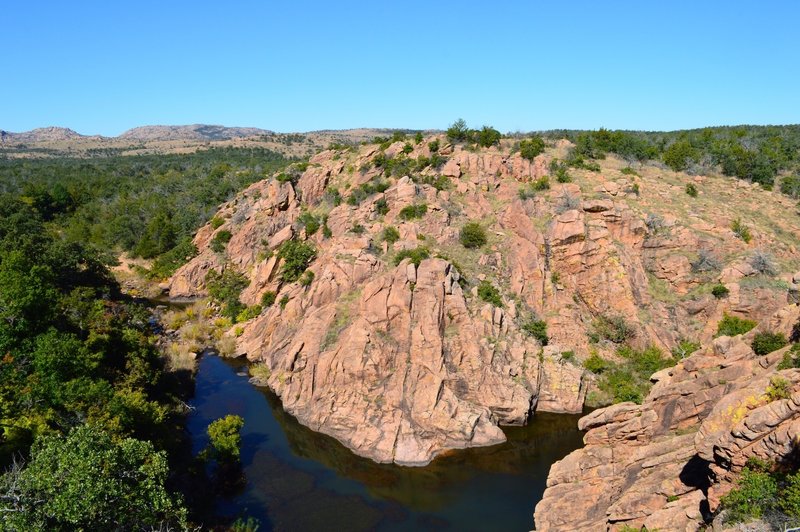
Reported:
(298, 479)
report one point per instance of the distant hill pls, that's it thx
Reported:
(191, 132)
(42, 134)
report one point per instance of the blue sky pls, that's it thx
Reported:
(103, 67)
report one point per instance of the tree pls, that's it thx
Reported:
(226, 439)
(458, 131)
(488, 136)
(88, 481)
(678, 155)
(532, 147)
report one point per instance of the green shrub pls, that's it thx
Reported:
(249, 313)
(296, 258)
(733, 326)
(620, 383)
(488, 136)
(560, 170)
(381, 207)
(225, 438)
(220, 240)
(719, 291)
(767, 342)
(691, 190)
(596, 364)
(284, 300)
(530, 148)
(629, 171)
(790, 185)
(757, 492)
(458, 131)
(411, 212)
(791, 358)
(287, 178)
(543, 183)
(489, 293)
(165, 264)
(741, 230)
(537, 329)
(268, 298)
(614, 328)
(307, 278)
(225, 288)
(434, 146)
(678, 155)
(472, 235)
(309, 222)
(684, 349)
(216, 222)
(789, 500)
(358, 229)
(647, 361)
(416, 255)
(779, 388)
(390, 234)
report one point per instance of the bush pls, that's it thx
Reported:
(537, 329)
(220, 240)
(691, 190)
(216, 222)
(596, 364)
(283, 302)
(790, 185)
(490, 294)
(165, 264)
(543, 183)
(678, 155)
(416, 255)
(458, 131)
(309, 222)
(358, 229)
(226, 439)
(629, 171)
(762, 263)
(225, 288)
(390, 234)
(684, 349)
(741, 230)
(296, 258)
(779, 388)
(472, 235)
(615, 328)
(268, 298)
(706, 262)
(488, 136)
(560, 171)
(767, 342)
(381, 207)
(307, 278)
(733, 326)
(249, 313)
(532, 147)
(756, 493)
(434, 146)
(719, 291)
(411, 212)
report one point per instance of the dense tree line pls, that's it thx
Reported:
(146, 205)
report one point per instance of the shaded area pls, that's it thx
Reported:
(298, 479)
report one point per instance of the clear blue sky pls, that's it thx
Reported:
(103, 67)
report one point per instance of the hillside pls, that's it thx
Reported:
(403, 343)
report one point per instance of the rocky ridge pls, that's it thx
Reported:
(402, 362)
(665, 464)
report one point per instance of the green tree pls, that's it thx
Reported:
(458, 131)
(678, 155)
(226, 438)
(530, 148)
(488, 136)
(87, 481)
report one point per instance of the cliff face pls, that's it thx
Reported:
(665, 464)
(403, 362)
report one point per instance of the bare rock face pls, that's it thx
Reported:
(665, 464)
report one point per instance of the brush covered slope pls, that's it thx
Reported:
(383, 321)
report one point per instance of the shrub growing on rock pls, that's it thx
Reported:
(530, 148)
(410, 212)
(268, 298)
(691, 190)
(706, 262)
(762, 262)
(417, 255)
(309, 222)
(741, 230)
(296, 257)
(719, 291)
(225, 288)
(537, 329)
(733, 325)
(220, 240)
(489, 293)
(596, 364)
(613, 328)
(767, 342)
(390, 234)
(472, 235)
(488, 136)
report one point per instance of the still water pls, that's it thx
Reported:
(301, 480)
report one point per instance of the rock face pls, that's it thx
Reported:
(665, 464)
(403, 361)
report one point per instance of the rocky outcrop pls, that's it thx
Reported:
(402, 362)
(666, 463)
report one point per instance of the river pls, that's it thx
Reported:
(297, 479)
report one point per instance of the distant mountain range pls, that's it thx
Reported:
(194, 132)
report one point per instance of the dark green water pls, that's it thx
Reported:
(301, 480)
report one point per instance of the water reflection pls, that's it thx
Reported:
(298, 479)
